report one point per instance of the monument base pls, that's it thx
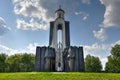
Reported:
(73, 59)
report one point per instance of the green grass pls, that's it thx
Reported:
(59, 76)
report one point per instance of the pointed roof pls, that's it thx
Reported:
(60, 9)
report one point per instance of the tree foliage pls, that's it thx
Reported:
(92, 64)
(17, 62)
(113, 64)
(3, 64)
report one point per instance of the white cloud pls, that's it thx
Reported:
(103, 60)
(99, 50)
(112, 13)
(32, 47)
(117, 42)
(10, 51)
(86, 1)
(41, 11)
(100, 34)
(111, 18)
(94, 48)
(84, 15)
(33, 10)
(3, 27)
(31, 25)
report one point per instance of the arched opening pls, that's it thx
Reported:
(59, 65)
(60, 36)
(59, 27)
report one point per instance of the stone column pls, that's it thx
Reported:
(38, 59)
(81, 59)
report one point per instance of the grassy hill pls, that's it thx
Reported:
(59, 76)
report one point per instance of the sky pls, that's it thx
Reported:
(94, 24)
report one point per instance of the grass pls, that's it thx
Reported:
(59, 76)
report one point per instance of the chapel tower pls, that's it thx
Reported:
(59, 55)
(55, 26)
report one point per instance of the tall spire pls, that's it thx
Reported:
(59, 6)
(60, 9)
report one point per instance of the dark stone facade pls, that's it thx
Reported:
(72, 58)
(59, 56)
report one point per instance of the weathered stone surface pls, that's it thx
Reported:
(59, 56)
(38, 59)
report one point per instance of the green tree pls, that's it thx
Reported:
(3, 64)
(20, 62)
(13, 62)
(27, 62)
(113, 64)
(92, 64)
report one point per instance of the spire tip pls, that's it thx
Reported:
(59, 6)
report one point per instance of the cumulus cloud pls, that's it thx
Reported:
(103, 60)
(84, 15)
(95, 48)
(3, 27)
(117, 42)
(40, 11)
(112, 13)
(86, 1)
(32, 47)
(100, 34)
(111, 17)
(31, 25)
(33, 10)
(99, 50)
(10, 51)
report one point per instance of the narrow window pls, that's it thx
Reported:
(60, 36)
(59, 15)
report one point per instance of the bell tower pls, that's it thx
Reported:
(59, 55)
(60, 13)
(55, 26)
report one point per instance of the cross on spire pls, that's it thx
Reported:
(59, 6)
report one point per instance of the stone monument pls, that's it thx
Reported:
(59, 56)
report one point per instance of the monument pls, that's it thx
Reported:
(59, 56)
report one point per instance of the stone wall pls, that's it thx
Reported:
(45, 57)
(73, 59)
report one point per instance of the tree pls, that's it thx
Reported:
(27, 62)
(92, 64)
(113, 64)
(17, 62)
(13, 62)
(3, 65)
(20, 62)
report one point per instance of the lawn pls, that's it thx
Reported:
(59, 76)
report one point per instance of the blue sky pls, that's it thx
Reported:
(94, 24)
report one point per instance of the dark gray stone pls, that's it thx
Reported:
(72, 56)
